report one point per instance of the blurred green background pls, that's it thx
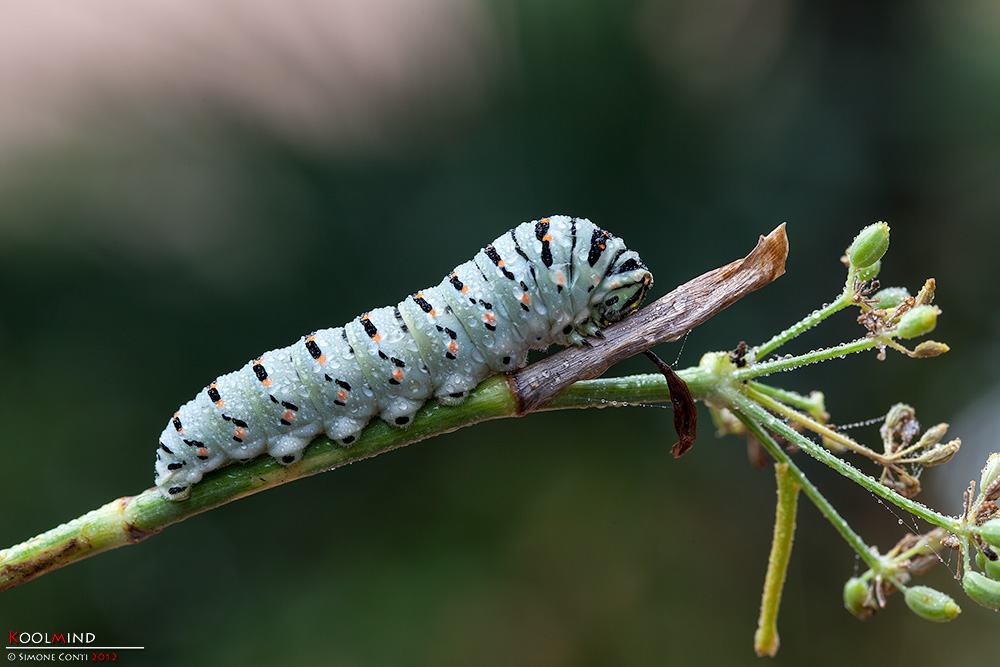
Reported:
(186, 184)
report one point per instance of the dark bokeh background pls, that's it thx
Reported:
(186, 184)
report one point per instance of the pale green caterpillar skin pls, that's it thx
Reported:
(554, 280)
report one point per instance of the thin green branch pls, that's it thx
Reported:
(753, 391)
(811, 404)
(795, 361)
(758, 414)
(817, 498)
(809, 321)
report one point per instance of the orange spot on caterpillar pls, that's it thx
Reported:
(377, 337)
(489, 318)
(525, 299)
(289, 416)
(266, 382)
(500, 263)
(544, 220)
(202, 451)
(398, 374)
(465, 288)
(453, 347)
(215, 385)
(240, 432)
(547, 238)
(342, 396)
(322, 359)
(560, 278)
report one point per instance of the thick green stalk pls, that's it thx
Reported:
(765, 640)
(131, 519)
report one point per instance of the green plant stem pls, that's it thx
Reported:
(817, 498)
(809, 321)
(807, 403)
(811, 424)
(792, 362)
(766, 640)
(131, 519)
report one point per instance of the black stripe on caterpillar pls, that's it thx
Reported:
(554, 280)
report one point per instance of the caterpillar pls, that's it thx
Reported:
(553, 280)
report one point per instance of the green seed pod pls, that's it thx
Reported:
(931, 604)
(982, 589)
(926, 294)
(990, 532)
(869, 272)
(933, 435)
(991, 471)
(929, 348)
(898, 415)
(990, 567)
(939, 454)
(918, 321)
(890, 297)
(855, 596)
(869, 245)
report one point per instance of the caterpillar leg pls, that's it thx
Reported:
(287, 449)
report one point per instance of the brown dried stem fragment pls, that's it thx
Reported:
(663, 321)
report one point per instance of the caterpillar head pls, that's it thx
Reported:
(623, 289)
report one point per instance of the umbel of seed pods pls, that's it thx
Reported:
(911, 318)
(984, 587)
(908, 317)
(864, 595)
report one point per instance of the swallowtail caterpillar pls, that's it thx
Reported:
(554, 280)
